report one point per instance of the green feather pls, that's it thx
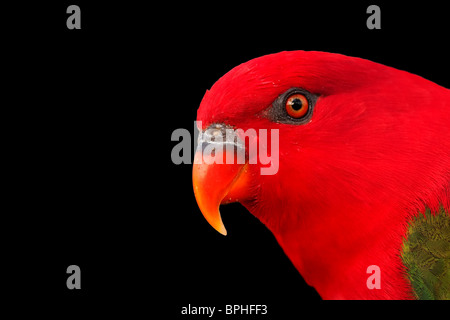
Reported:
(426, 255)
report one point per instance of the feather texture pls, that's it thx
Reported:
(426, 255)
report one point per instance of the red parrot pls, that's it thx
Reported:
(363, 176)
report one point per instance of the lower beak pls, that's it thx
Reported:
(216, 184)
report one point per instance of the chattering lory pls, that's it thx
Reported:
(363, 177)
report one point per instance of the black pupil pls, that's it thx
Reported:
(296, 104)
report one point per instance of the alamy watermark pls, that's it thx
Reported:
(221, 144)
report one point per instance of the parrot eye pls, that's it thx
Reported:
(297, 105)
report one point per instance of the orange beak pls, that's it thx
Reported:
(216, 184)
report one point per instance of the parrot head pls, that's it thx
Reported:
(355, 142)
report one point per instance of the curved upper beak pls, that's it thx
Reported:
(219, 173)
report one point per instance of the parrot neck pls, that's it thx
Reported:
(334, 254)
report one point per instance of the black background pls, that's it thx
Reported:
(89, 124)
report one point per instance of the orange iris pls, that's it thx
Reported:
(297, 106)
